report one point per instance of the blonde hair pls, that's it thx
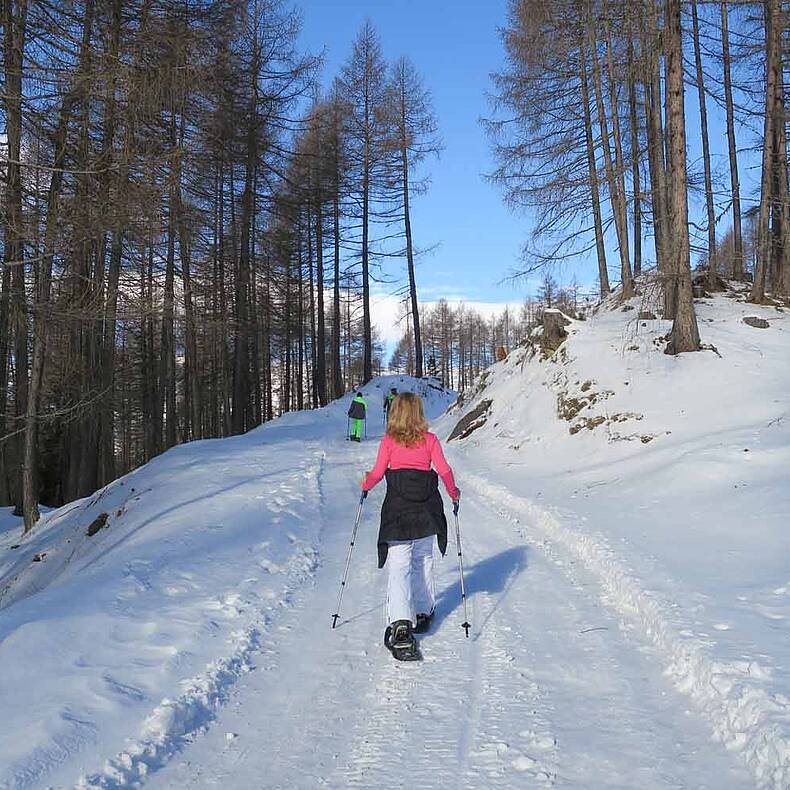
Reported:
(407, 422)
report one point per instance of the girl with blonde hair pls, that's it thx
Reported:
(411, 516)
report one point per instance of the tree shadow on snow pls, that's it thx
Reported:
(492, 575)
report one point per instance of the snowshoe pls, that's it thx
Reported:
(423, 623)
(400, 641)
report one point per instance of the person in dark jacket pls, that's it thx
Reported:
(412, 517)
(357, 411)
(388, 399)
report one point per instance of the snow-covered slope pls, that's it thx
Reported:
(624, 518)
(666, 480)
(115, 644)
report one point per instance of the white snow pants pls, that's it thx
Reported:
(410, 582)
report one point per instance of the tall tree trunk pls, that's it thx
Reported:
(685, 334)
(267, 339)
(703, 117)
(615, 196)
(772, 61)
(614, 102)
(337, 373)
(151, 413)
(106, 447)
(285, 396)
(415, 312)
(41, 317)
(192, 393)
(367, 342)
(241, 361)
(300, 346)
(225, 360)
(313, 386)
(635, 153)
(320, 340)
(14, 30)
(167, 350)
(592, 169)
(735, 186)
(5, 344)
(656, 155)
(780, 254)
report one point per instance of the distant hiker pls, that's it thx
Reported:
(357, 411)
(388, 399)
(412, 514)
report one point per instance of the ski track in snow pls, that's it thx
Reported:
(743, 717)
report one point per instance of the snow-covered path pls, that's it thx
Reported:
(550, 690)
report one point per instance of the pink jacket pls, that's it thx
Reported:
(394, 456)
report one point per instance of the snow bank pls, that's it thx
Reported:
(174, 720)
(666, 478)
(744, 716)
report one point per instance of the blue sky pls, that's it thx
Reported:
(456, 46)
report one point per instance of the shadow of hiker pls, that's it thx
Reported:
(491, 575)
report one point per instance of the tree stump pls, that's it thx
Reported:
(756, 322)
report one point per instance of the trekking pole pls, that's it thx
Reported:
(348, 427)
(348, 559)
(466, 624)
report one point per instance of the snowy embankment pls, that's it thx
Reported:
(126, 617)
(665, 479)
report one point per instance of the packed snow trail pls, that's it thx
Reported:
(549, 691)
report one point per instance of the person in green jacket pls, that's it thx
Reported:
(357, 411)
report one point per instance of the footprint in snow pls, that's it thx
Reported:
(524, 763)
(537, 740)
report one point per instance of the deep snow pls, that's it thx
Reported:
(628, 600)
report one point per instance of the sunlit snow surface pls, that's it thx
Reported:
(628, 600)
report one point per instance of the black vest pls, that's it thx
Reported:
(412, 509)
(356, 410)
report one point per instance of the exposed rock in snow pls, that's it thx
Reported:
(554, 334)
(471, 421)
(756, 322)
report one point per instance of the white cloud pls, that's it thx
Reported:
(384, 312)
(387, 309)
